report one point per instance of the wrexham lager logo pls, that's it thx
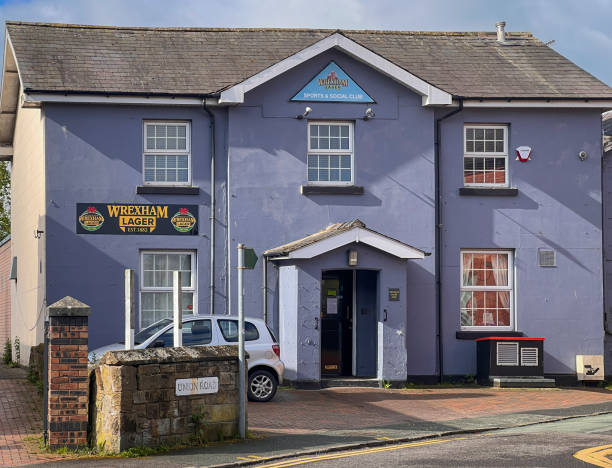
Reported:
(333, 82)
(91, 219)
(183, 221)
(138, 218)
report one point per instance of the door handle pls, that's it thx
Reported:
(384, 315)
(316, 323)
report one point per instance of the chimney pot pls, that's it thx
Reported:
(501, 33)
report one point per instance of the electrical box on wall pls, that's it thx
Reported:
(589, 367)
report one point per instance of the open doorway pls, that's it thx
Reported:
(349, 315)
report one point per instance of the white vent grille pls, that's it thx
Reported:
(529, 356)
(507, 354)
(547, 257)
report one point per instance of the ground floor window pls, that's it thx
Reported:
(486, 289)
(156, 271)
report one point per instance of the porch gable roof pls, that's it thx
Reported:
(341, 234)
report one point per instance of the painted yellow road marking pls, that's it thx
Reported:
(252, 458)
(597, 456)
(384, 438)
(335, 456)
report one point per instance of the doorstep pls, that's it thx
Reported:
(350, 382)
(521, 382)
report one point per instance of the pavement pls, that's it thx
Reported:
(299, 422)
(20, 418)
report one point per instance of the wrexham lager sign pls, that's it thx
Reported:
(127, 218)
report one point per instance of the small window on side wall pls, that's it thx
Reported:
(487, 298)
(330, 153)
(485, 156)
(167, 153)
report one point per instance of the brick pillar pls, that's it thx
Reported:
(68, 379)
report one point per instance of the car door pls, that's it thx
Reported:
(195, 333)
(253, 342)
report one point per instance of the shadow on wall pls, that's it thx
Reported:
(558, 367)
(421, 341)
(79, 269)
(608, 356)
(367, 199)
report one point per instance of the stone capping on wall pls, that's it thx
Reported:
(134, 403)
(137, 357)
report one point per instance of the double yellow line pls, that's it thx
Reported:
(597, 456)
(355, 453)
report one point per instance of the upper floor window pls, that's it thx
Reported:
(167, 153)
(330, 153)
(485, 156)
(486, 289)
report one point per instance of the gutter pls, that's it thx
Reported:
(212, 206)
(438, 241)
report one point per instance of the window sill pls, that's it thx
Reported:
(472, 335)
(331, 190)
(489, 191)
(166, 190)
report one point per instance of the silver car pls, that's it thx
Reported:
(264, 365)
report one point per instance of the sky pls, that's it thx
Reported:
(581, 29)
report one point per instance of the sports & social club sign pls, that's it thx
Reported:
(119, 218)
(332, 84)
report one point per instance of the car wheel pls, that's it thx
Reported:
(262, 385)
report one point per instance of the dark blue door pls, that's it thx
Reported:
(367, 322)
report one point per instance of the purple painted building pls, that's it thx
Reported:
(407, 192)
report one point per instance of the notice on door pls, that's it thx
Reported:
(332, 306)
(196, 386)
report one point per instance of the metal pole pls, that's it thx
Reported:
(129, 309)
(241, 364)
(212, 206)
(177, 307)
(265, 288)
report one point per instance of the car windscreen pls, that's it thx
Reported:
(146, 333)
(229, 330)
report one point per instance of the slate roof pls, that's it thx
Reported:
(329, 231)
(193, 61)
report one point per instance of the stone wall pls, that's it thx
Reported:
(134, 398)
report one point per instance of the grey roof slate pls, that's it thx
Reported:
(195, 61)
(329, 231)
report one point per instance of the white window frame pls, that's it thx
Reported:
(150, 289)
(492, 154)
(351, 151)
(510, 287)
(172, 152)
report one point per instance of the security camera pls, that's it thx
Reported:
(582, 155)
(369, 114)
